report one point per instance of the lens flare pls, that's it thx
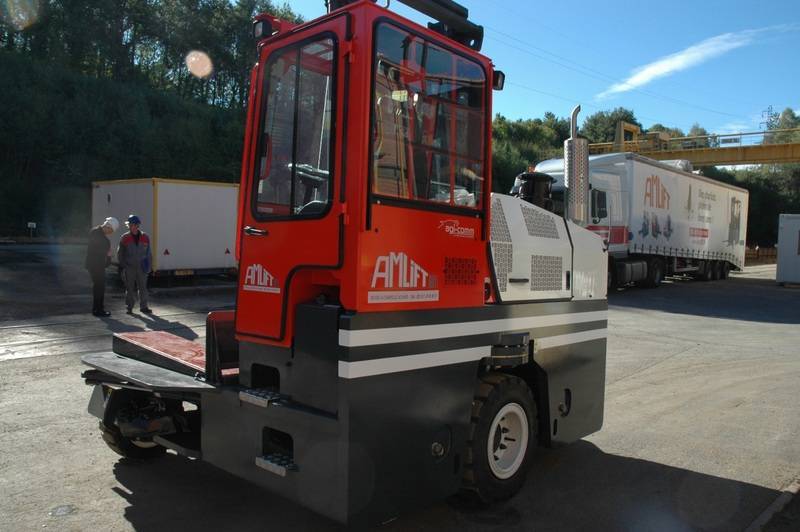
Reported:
(20, 14)
(199, 64)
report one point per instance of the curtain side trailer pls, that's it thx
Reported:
(658, 219)
(192, 224)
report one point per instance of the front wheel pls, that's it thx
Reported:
(119, 401)
(503, 436)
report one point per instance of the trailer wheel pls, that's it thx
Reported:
(707, 273)
(716, 272)
(126, 447)
(655, 273)
(503, 435)
(726, 270)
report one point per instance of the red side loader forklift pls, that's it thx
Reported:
(400, 333)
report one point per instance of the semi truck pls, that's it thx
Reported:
(660, 219)
(192, 224)
(400, 333)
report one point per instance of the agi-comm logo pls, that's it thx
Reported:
(454, 228)
(258, 279)
(397, 278)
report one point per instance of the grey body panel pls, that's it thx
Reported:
(145, 375)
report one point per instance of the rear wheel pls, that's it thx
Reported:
(655, 273)
(726, 270)
(716, 271)
(118, 401)
(503, 435)
(706, 273)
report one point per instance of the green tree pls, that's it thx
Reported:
(602, 125)
(674, 132)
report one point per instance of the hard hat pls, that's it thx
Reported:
(111, 222)
(133, 219)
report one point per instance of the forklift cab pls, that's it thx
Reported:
(366, 159)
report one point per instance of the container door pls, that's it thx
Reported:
(291, 215)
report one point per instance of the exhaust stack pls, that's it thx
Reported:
(576, 173)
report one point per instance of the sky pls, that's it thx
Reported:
(717, 63)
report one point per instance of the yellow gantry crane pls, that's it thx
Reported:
(761, 147)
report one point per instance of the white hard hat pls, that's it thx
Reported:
(112, 222)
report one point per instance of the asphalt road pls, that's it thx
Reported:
(701, 430)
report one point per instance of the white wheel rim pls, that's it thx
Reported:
(144, 444)
(508, 441)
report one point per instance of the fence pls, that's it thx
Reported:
(760, 256)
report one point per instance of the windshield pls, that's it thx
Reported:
(429, 121)
(294, 166)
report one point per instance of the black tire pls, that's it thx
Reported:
(707, 274)
(113, 437)
(611, 277)
(655, 273)
(726, 270)
(497, 391)
(716, 270)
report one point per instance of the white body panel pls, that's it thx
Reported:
(192, 224)
(533, 258)
(788, 249)
(657, 209)
(589, 264)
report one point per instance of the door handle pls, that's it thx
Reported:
(255, 232)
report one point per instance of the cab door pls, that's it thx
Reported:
(291, 213)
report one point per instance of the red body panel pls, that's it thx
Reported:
(436, 256)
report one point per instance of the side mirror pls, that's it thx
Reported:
(599, 208)
(498, 80)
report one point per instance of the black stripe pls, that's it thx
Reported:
(379, 351)
(408, 318)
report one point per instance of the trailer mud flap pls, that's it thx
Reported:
(143, 375)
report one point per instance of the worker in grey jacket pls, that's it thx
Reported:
(136, 260)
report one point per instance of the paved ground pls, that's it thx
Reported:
(702, 425)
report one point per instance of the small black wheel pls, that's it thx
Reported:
(123, 446)
(503, 435)
(655, 273)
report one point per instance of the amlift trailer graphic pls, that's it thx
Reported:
(400, 332)
(659, 219)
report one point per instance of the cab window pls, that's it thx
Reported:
(428, 122)
(293, 175)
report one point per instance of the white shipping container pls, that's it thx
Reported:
(657, 209)
(788, 249)
(192, 224)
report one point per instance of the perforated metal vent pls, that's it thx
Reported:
(546, 273)
(539, 224)
(460, 271)
(503, 255)
(500, 232)
(502, 250)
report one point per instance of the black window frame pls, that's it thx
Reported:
(265, 88)
(421, 204)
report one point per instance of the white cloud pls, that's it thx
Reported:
(686, 58)
(734, 127)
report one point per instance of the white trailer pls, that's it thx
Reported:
(788, 249)
(192, 224)
(658, 219)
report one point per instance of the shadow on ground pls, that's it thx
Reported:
(574, 488)
(737, 298)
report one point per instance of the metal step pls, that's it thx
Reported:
(277, 463)
(262, 397)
